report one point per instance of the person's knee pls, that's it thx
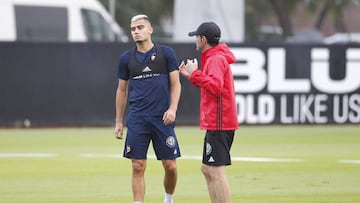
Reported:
(205, 169)
(212, 172)
(170, 167)
(138, 167)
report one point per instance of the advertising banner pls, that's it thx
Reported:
(297, 84)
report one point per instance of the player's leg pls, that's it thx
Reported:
(170, 179)
(166, 149)
(217, 183)
(216, 156)
(138, 180)
(136, 146)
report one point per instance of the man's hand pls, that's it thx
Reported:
(169, 116)
(119, 130)
(187, 69)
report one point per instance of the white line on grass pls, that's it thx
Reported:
(250, 159)
(152, 156)
(350, 161)
(28, 155)
(96, 155)
(260, 159)
(187, 157)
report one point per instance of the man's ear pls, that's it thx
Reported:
(151, 29)
(203, 39)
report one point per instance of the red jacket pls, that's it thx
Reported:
(217, 102)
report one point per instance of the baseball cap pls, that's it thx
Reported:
(208, 29)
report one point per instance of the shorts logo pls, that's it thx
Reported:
(128, 149)
(208, 148)
(211, 159)
(170, 141)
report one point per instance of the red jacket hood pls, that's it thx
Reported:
(222, 49)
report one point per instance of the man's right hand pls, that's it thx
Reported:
(119, 130)
(187, 69)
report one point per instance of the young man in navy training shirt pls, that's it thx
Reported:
(150, 73)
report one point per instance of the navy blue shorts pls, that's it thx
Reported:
(217, 145)
(141, 130)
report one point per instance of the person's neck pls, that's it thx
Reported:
(144, 46)
(205, 48)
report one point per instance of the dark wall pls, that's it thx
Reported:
(68, 84)
(62, 84)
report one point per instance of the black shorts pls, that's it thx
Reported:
(217, 145)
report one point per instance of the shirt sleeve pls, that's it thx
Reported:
(123, 71)
(172, 61)
(211, 78)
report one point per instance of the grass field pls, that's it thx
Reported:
(271, 164)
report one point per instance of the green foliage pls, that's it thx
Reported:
(89, 168)
(259, 11)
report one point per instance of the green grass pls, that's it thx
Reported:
(70, 177)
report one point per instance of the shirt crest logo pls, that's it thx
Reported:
(170, 141)
(208, 148)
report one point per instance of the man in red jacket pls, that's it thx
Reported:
(218, 114)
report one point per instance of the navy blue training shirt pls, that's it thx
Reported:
(148, 76)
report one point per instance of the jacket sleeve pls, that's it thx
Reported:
(211, 78)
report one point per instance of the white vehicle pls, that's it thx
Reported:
(57, 20)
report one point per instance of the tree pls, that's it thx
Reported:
(255, 12)
(283, 9)
(334, 8)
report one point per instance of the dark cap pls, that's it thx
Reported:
(208, 29)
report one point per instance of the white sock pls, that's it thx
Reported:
(137, 202)
(168, 198)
